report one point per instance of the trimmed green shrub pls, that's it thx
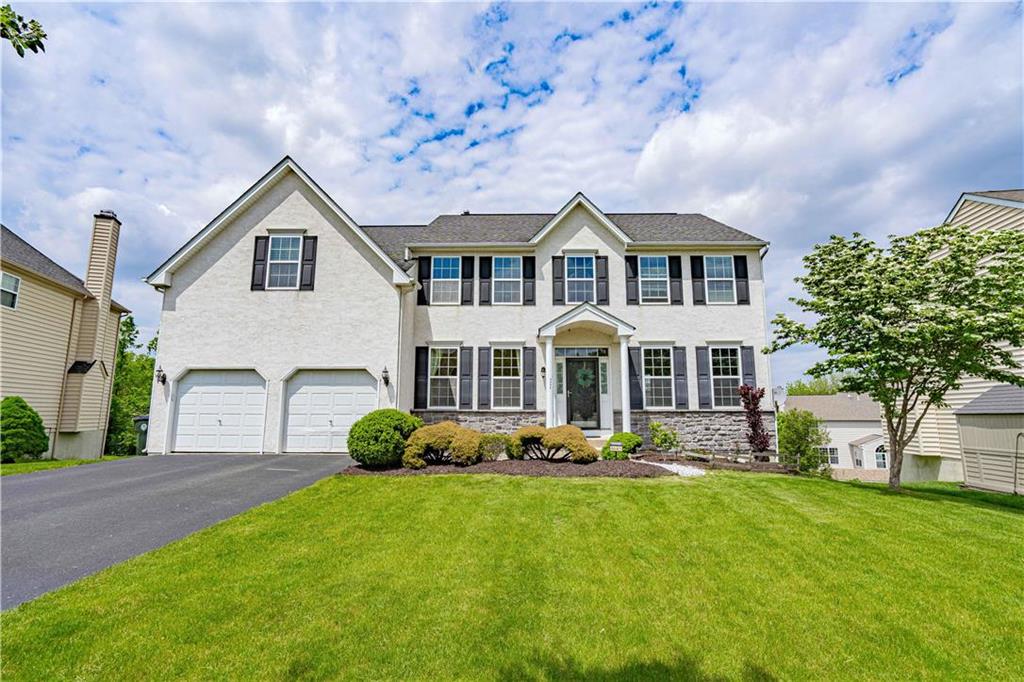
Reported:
(378, 439)
(494, 445)
(430, 445)
(568, 442)
(526, 441)
(465, 447)
(663, 437)
(630, 444)
(22, 435)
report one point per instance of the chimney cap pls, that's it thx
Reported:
(106, 213)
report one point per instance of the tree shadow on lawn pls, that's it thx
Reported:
(949, 492)
(682, 667)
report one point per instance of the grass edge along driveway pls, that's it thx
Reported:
(32, 466)
(733, 576)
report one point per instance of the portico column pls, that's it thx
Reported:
(549, 385)
(624, 379)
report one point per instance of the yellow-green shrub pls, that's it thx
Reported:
(465, 447)
(526, 443)
(568, 442)
(429, 444)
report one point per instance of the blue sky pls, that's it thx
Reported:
(789, 121)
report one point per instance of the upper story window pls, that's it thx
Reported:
(880, 453)
(507, 378)
(725, 377)
(720, 278)
(9, 288)
(445, 275)
(444, 378)
(508, 279)
(283, 262)
(654, 279)
(579, 279)
(658, 377)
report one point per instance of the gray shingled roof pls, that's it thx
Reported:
(1001, 399)
(838, 407)
(1007, 194)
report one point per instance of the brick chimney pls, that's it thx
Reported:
(99, 280)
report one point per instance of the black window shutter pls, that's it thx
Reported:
(483, 378)
(675, 279)
(485, 280)
(601, 263)
(529, 378)
(308, 268)
(467, 280)
(632, 281)
(259, 264)
(747, 365)
(558, 280)
(529, 280)
(636, 386)
(703, 378)
(681, 386)
(423, 274)
(419, 400)
(697, 274)
(466, 378)
(742, 281)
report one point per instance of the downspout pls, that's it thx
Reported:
(110, 386)
(64, 380)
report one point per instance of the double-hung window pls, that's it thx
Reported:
(444, 378)
(508, 279)
(507, 378)
(283, 263)
(657, 377)
(720, 278)
(444, 279)
(653, 279)
(725, 377)
(10, 286)
(579, 279)
(880, 457)
(832, 454)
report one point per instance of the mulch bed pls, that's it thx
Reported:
(719, 464)
(528, 467)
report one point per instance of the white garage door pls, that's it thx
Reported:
(323, 405)
(220, 411)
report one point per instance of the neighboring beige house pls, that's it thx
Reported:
(992, 439)
(284, 321)
(857, 446)
(58, 337)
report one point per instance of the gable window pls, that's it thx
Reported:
(9, 288)
(283, 262)
(444, 377)
(445, 273)
(508, 279)
(725, 377)
(507, 378)
(720, 279)
(658, 377)
(579, 279)
(832, 454)
(880, 453)
(654, 279)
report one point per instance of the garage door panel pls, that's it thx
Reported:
(220, 411)
(322, 406)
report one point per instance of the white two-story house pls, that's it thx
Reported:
(284, 321)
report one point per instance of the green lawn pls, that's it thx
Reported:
(735, 576)
(44, 464)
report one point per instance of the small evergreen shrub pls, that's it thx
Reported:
(527, 443)
(494, 446)
(630, 444)
(430, 445)
(663, 437)
(378, 439)
(465, 447)
(801, 437)
(22, 435)
(568, 442)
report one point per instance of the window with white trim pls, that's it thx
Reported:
(445, 279)
(725, 377)
(10, 288)
(444, 378)
(283, 261)
(657, 377)
(832, 454)
(653, 279)
(507, 378)
(880, 460)
(579, 279)
(720, 279)
(508, 279)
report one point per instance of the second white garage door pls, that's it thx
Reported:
(322, 405)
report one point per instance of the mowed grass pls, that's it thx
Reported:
(733, 576)
(30, 466)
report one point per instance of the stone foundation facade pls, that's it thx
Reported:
(486, 421)
(721, 433)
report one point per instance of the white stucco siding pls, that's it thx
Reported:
(211, 319)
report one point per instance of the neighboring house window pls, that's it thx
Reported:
(507, 378)
(508, 279)
(654, 279)
(857, 461)
(880, 457)
(720, 279)
(445, 273)
(725, 376)
(9, 288)
(832, 454)
(444, 377)
(658, 377)
(283, 263)
(579, 279)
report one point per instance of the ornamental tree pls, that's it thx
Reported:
(907, 324)
(21, 34)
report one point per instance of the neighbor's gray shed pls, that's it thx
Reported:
(992, 439)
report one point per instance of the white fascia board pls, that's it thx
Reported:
(586, 311)
(581, 200)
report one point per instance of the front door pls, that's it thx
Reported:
(582, 395)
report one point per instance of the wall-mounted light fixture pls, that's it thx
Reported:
(161, 376)
(543, 373)
(385, 376)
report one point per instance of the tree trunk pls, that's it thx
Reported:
(895, 463)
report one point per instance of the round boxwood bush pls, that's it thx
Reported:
(378, 439)
(22, 435)
(630, 444)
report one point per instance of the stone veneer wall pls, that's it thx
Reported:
(486, 421)
(717, 432)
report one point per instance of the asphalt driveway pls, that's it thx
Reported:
(61, 525)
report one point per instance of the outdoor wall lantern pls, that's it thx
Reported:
(543, 373)
(385, 376)
(161, 376)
